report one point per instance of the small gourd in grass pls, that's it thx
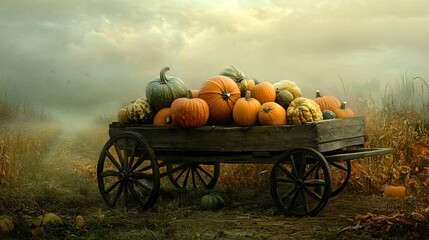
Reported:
(163, 89)
(7, 224)
(328, 114)
(163, 117)
(326, 102)
(238, 76)
(272, 114)
(79, 222)
(140, 111)
(212, 202)
(245, 112)
(189, 112)
(264, 92)
(284, 98)
(220, 93)
(343, 111)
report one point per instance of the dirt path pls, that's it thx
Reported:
(65, 185)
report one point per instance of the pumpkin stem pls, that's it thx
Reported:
(266, 109)
(318, 94)
(190, 94)
(226, 95)
(167, 119)
(343, 105)
(162, 76)
(247, 95)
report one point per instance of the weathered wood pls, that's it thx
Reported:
(323, 136)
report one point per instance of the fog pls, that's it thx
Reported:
(82, 59)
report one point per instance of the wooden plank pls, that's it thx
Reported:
(323, 136)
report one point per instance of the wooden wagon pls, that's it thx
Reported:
(303, 159)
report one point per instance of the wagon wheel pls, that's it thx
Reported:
(296, 185)
(340, 175)
(128, 173)
(193, 174)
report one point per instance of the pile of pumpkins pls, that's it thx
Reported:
(228, 98)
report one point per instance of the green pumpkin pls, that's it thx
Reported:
(140, 111)
(212, 202)
(328, 114)
(163, 90)
(238, 76)
(284, 98)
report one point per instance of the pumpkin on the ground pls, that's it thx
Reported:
(220, 93)
(289, 85)
(212, 202)
(245, 112)
(189, 112)
(343, 111)
(302, 110)
(238, 76)
(264, 92)
(163, 117)
(284, 98)
(272, 113)
(327, 102)
(140, 111)
(163, 90)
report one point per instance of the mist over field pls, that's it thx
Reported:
(80, 59)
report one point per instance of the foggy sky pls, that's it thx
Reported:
(88, 58)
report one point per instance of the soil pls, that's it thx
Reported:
(249, 213)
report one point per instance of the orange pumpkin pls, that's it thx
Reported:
(272, 113)
(245, 112)
(327, 102)
(163, 117)
(220, 93)
(343, 111)
(189, 112)
(264, 92)
(251, 83)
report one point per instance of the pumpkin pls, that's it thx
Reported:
(264, 92)
(162, 90)
(328, 114)
(163, 117)
(79, 222)
(343, 111)
(189, 112)
(251, 83)
(284, 98)
(245, 112)
(122, 115)
(302, 110)
(238, 76)
(271, 113)
(289, 85)
(326, 102)
(140, 111)
(220, 93)
(212, 202)
(7, 224)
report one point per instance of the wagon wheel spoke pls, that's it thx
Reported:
(284, 180)
(140, 175)
(194, 183)
(118, 194)
(113, 186)
(200, 177)
(315, 182)
(312, 194)
(304, 202)
(125, 154)
(113, 160)
(205, 171)
(286, 171)
(339, 166)
(110, 173)
(294, 198)
(119, 153)
(312, 169)
(180, 174)
(141, 185)
(132, 157)
(185, 182)
(140, 160)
